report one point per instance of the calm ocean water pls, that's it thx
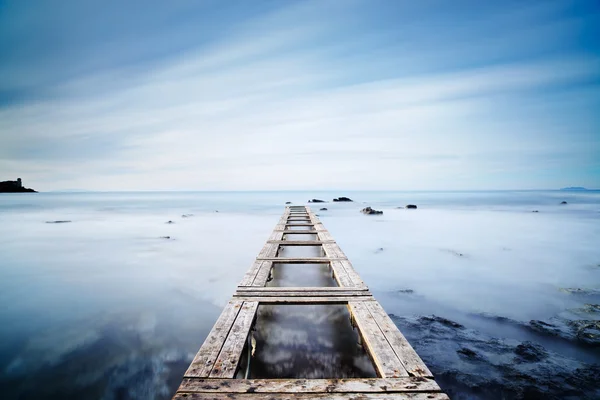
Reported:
(500, 301)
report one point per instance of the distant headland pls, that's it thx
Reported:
(574, 188)
(14, 187)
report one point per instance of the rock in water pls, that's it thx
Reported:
(58, 222)
(563, 202)
(288, 202)
(316, 201)
(413, 206)
(343, 199)
(370, 211)
(323, 209)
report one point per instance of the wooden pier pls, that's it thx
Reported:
(401, 374)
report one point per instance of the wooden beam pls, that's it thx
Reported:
(407, 355)
(298, 242)
(368, 385)
(298, 289)
(229, 357)
(303, 300)
(204, 360)
(387, 363)
(308, 396)
(297, 260)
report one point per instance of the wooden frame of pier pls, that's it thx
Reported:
(401, 372)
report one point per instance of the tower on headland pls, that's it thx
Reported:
(19, 183)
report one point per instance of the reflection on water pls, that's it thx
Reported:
(299, 251)
(298, 236)
(302, 275)
(307, 341)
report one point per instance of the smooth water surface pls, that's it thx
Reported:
(500, 301)
(313, 341)
(302, 275)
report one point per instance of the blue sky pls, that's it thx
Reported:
(276, 95)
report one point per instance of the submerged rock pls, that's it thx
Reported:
(165, 237)
(530, 352)
(169, 222)
(406, 291)
(535, 211)
(411, 206)
(187, 215)
(288, 202)
(469, 354)
(563, 202)
(317, 201)
(587, 331)
(343, 199)
(58, 222)
(370, 211)
(323, 209)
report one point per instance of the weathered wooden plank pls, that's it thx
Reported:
(302, 300)
(251, 273)
(263, 274)
(349, 293)
(387, 363)
(324, 236)
(407, 355)
(340, 275)
(307, 396)
(356, 279)
(268, 250)
(298, 260)
(204, 360)
(228, 359)
(299, 289)
(370, 385)
(331, 250)
(298, 242)
(275, 236)
(307, 232)
(308, 223)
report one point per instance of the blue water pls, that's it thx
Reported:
(107, 307)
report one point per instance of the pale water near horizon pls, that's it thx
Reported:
(500, 301)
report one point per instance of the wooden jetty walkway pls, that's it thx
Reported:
(401, 374)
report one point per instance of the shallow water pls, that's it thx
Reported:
(307, 341)
(301, 275)
(500, 302)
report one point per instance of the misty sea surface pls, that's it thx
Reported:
(501, 302)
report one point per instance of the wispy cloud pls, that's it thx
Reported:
(332, 94)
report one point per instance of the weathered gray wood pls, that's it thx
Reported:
(356, 280)
(268, 250)
(370, 385)
(298, 260)
(324, 236)
(298, 242)
(228, 359)
(314, 293)
(302, 300)
(251, 274)
(297, 224)
(407, 355)
(275, 236)
(299, 289)
(204, 360)
(340, 275)
(263, 274)
(307, 396)
(387, 363)
(307, 232)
